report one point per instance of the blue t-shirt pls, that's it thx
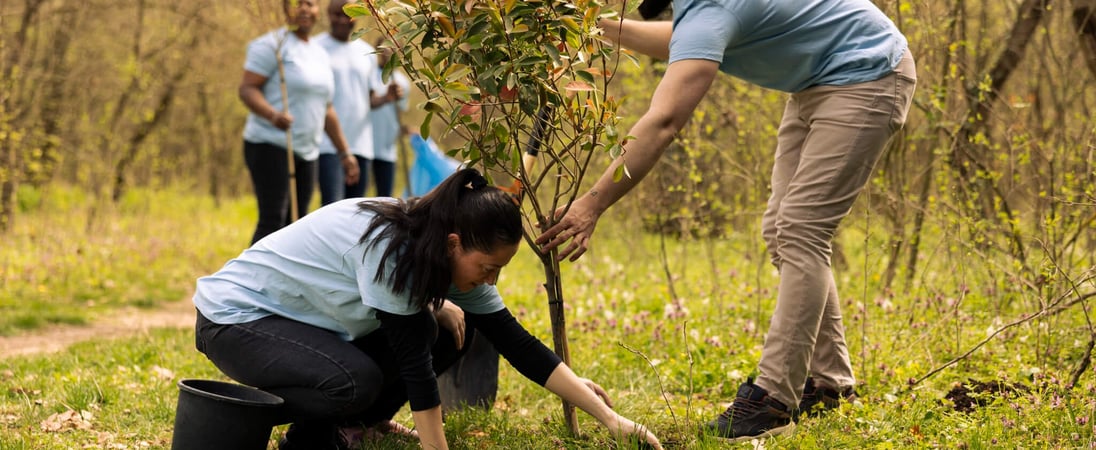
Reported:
(354, 65)
(789, 45)
(309, 83)
(315, 271)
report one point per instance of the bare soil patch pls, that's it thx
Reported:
(124, 322)
(966, 397)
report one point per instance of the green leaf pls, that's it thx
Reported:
(615, 152)
(458, 88)
(456, 71)
(357, 34)
(433, 107)
(553, 52)
(488, 84)
(355, 10)
(500, 132)
(424, 128)
(618, 173)
(586, 76)
(571, 25)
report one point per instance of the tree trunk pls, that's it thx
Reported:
(967, 155)
(11, 50)
(211, 160)
(146, 128)
(57, 70)
(1084, 19)
(956, 31)
(554, 286)
(8, 178)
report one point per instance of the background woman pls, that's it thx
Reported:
(310, 86)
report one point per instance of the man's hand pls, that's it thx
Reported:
(350, 168)
(451, 317)
(577, 226)
(395, 92)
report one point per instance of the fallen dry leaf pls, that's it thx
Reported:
(68, 420)
(161, 372)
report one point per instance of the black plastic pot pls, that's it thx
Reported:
(217, 415)
(474, 378)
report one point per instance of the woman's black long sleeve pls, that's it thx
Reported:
(411, 338)
(525, 352)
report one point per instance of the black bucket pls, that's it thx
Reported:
(473, 380)
(218, 415)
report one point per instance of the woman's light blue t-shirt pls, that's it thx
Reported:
(789, 45)
(315, 271)
(309, 83)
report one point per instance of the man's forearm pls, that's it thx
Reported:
(650, 38)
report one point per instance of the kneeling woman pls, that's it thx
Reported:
(338, 313)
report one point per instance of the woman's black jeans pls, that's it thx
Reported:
(321, 377)
(269, 168)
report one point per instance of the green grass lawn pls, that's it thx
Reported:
(669, 363)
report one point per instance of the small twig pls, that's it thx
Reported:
(662, 389)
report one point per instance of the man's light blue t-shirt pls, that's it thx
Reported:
(354, 65)
(309, 83)
(315, 271)
(789, 45)
(386, 118)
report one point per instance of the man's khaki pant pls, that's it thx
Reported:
(827, 146)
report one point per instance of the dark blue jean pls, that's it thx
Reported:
(384, 172)
(321, 377)
(269, 168)
(333, 185)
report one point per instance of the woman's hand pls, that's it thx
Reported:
(624, 429)
(598, 390)
(451, 317)
(251, 92)
(620, 426)
(281, 120)
(590, 397)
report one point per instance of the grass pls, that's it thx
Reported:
(669, 363)
(68, 261)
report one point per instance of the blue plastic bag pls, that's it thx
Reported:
(430, 168)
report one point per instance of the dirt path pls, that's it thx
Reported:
(124, 322)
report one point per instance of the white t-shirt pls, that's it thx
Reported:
(386, 118)
(353, 64)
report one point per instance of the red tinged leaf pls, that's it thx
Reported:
(470, 109)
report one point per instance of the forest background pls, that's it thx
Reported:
(979, 227)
